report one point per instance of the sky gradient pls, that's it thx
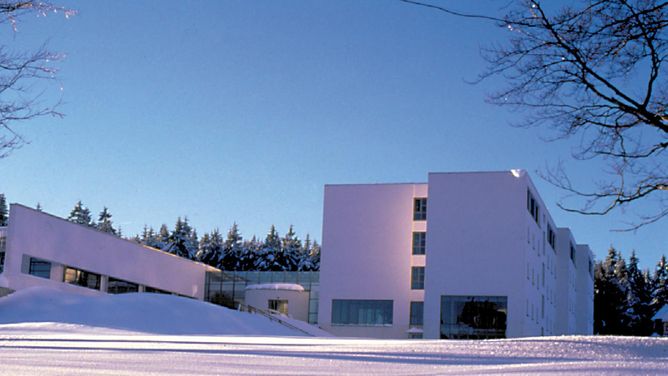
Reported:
(241, 111)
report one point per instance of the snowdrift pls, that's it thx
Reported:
(139, 312)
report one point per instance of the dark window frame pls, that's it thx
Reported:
(39, 268)
(420, 209)
(419, 242)
(417, 277)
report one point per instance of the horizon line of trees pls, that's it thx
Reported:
(625, 297)
(229, 252)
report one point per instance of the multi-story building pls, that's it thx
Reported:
(465, 255)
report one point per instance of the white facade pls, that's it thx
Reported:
(286, 298)
(493, 262)
(44, 250)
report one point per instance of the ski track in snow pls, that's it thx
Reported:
(67, 349)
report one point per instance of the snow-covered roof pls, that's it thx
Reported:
(276, 286)
(662, 314)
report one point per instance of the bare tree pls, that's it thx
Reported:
(593, 72)
(20, 72)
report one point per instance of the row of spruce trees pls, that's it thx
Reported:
(228, 252)
(625, 297)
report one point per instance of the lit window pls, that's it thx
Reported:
(417, 313)
(420, 209)
(81, 278)
(362, 312)
(417, 278)
(419, 243)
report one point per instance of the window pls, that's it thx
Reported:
(551, 238)
(119, 286)
(420, 209)
(278, 306)
(153, 290)
(417, 278)
(473, 317)
(362, 312)
(417, 313)
(419, 243)
(532, 207)
(81, 278)
(3, 243)
(573, 254)
(2, 261)
(39, 268)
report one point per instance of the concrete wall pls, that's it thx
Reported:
(475, 238)
(566, 283)
(297, 300)
(367, 252)
(37, 234)
(584, 315)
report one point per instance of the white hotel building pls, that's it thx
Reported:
(465, 255)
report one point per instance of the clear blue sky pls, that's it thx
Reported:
(242, 111)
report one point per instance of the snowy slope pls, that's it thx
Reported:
(152, 313)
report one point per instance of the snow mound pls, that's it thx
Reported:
(276, 286)
(138, 312)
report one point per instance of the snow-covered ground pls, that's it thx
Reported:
(252, 346)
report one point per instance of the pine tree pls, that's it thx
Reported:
(104, 223)
(609, 296)
(163, 241)
(660, 285)
(291, 247)
(38, 207)
(4, 215)
(232, 249)
(81, 215)
(210, 248)
(639, 299)
(182, 240)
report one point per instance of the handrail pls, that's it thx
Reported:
(271, 316)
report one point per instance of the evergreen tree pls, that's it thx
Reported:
(38, 207)
(232, 249)
(210, 248)
(4, 214)
(162, 238)
(290, 252)
(104, 222)
(639, 299)
(81, 215)
(181, 240)
(609, 296)
(660, 285)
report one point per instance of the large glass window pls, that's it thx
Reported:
(419, 242)
(417, 278)
(81, 278)
(473, 317)
(417, 313)
(420, 209)
(362, 312)
(119, 286)
(39, 268)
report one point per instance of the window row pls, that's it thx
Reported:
(74, 276)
